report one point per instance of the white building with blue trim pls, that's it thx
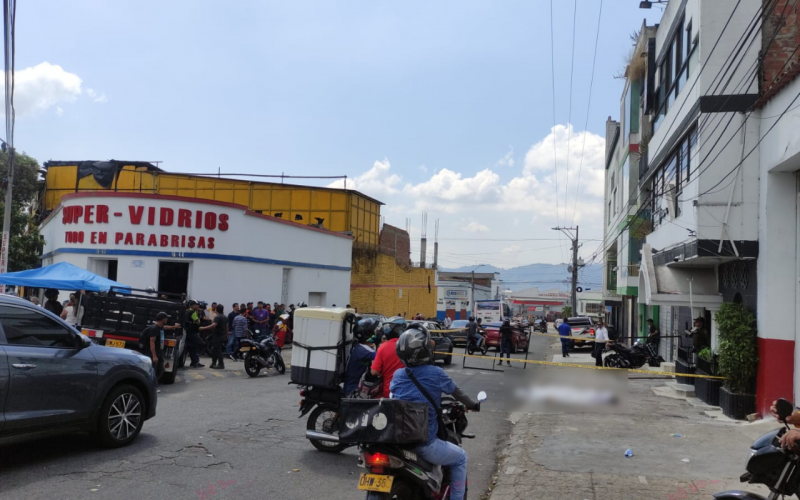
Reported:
(212, 251)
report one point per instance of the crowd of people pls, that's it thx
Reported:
(246, 319)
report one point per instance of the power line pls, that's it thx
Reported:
(588, 107)
(569, 115)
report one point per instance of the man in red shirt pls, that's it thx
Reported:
(386, 360)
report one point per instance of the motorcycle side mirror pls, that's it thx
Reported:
(784, 409)
(482, 396)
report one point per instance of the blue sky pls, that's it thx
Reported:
(438, 106)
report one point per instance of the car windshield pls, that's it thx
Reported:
(461, 323)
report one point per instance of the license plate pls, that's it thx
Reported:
(375, 482)
(115, 343)
(244, 349)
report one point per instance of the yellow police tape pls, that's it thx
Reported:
(588, 367)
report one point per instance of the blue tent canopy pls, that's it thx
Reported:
(61, 276)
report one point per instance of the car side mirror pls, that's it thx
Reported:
(82, 342)
(482, 396)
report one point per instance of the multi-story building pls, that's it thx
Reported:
(621, 231)
(698, 186)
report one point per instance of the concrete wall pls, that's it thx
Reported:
(381, 285)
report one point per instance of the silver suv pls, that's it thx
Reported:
(55, 378)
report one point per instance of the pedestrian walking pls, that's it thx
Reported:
(506, 344)
(219, 332)
(600, 341)
(565, 331)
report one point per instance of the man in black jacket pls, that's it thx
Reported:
(506, 344)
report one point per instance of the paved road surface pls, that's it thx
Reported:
(226, 428)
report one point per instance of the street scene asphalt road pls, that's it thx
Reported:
(222, 434)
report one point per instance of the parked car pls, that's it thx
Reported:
(519, 339)
(441, 339)
(380, 317)
(459, 335)
(54, 378)
(582, 328)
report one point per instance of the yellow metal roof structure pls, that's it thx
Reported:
(341, 210)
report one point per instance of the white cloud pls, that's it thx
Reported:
(476, 227)
(94, 96)
(59, 110)
(376, 181)
(423, 168)
(507, 160)
(511, 249)
(43, 86)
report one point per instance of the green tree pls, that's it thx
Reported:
(738, 347)
(26, 243)
(566, 312)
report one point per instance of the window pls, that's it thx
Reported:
(593, 308)
(673, 71)
(670, 179)
(24, 326)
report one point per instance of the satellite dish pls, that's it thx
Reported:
(569, 269)
(578, 289)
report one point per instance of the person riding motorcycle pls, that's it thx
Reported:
(386, 360)
(472, 333)
(361, 356)
(415, 350)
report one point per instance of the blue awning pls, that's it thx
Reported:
(61, 276)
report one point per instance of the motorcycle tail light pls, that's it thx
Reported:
(591, 331)
(303, 393)
(381, 460)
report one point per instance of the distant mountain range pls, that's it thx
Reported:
(542, 276)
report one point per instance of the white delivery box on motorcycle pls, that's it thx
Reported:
(321, 346)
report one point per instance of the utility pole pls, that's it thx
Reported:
(8, 34)
(575, 266)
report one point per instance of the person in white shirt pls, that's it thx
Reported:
(447, 322)
(600, 335)
(73, 311)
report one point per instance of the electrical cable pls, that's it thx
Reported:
(588, 108)
(569, 115)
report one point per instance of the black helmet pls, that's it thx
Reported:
(393, 327)
(472, 318)
(365, 329)
(414, 346)
(506, 322)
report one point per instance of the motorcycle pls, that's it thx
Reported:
(324, 419)
(631, 357)
(540, 326)
(770, 465)
(397, 472)
(472, 347)
(262, 353)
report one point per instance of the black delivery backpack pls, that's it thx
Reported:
(388, 421)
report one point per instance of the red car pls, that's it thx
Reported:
(519, 340)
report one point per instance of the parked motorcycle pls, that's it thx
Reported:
(261, 354)
(631, 357)
(396, 472)
(472, 347)
(770, 465)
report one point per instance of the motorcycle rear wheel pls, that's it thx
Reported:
(612, 361)
(325, 419)
(251, 365)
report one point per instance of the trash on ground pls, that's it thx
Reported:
(629, 453)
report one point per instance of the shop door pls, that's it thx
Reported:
(173, 277)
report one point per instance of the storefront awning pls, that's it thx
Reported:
(674, 286)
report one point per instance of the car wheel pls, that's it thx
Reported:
(449, 358)
(121, 416)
